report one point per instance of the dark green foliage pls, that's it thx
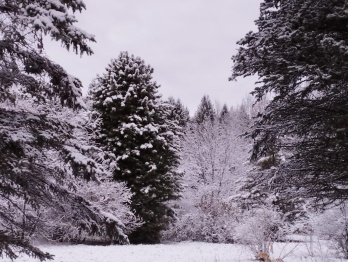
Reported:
(299, 52)
(135, 127)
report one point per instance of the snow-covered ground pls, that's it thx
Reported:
(183, 252)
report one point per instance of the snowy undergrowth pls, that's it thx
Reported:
(186, 252)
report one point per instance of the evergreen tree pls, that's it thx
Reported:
(299, 54)
(224, 114)
(205, 111)
(22, 61)
(178, 112)
(135, 127)
(38, 152)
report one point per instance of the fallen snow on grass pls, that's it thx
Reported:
(183, 252)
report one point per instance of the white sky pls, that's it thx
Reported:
(189, 43)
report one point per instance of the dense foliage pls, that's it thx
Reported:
(23, 63)
(213, 157)
(299, 53)
(137, 128)
(45, 149)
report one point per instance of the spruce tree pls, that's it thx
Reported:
(224, 114)
(136, 128)
(205, 111)
(299, 53)
(178, 112)
(23, 62)
(39, 156)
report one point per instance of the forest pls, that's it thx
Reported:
(124, 166)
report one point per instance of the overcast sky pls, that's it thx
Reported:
(189, 43)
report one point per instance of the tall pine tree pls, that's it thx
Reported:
(136, 128)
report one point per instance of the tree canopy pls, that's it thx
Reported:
(299, 53)
(42, 158)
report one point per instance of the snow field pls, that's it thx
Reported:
(184, 252)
